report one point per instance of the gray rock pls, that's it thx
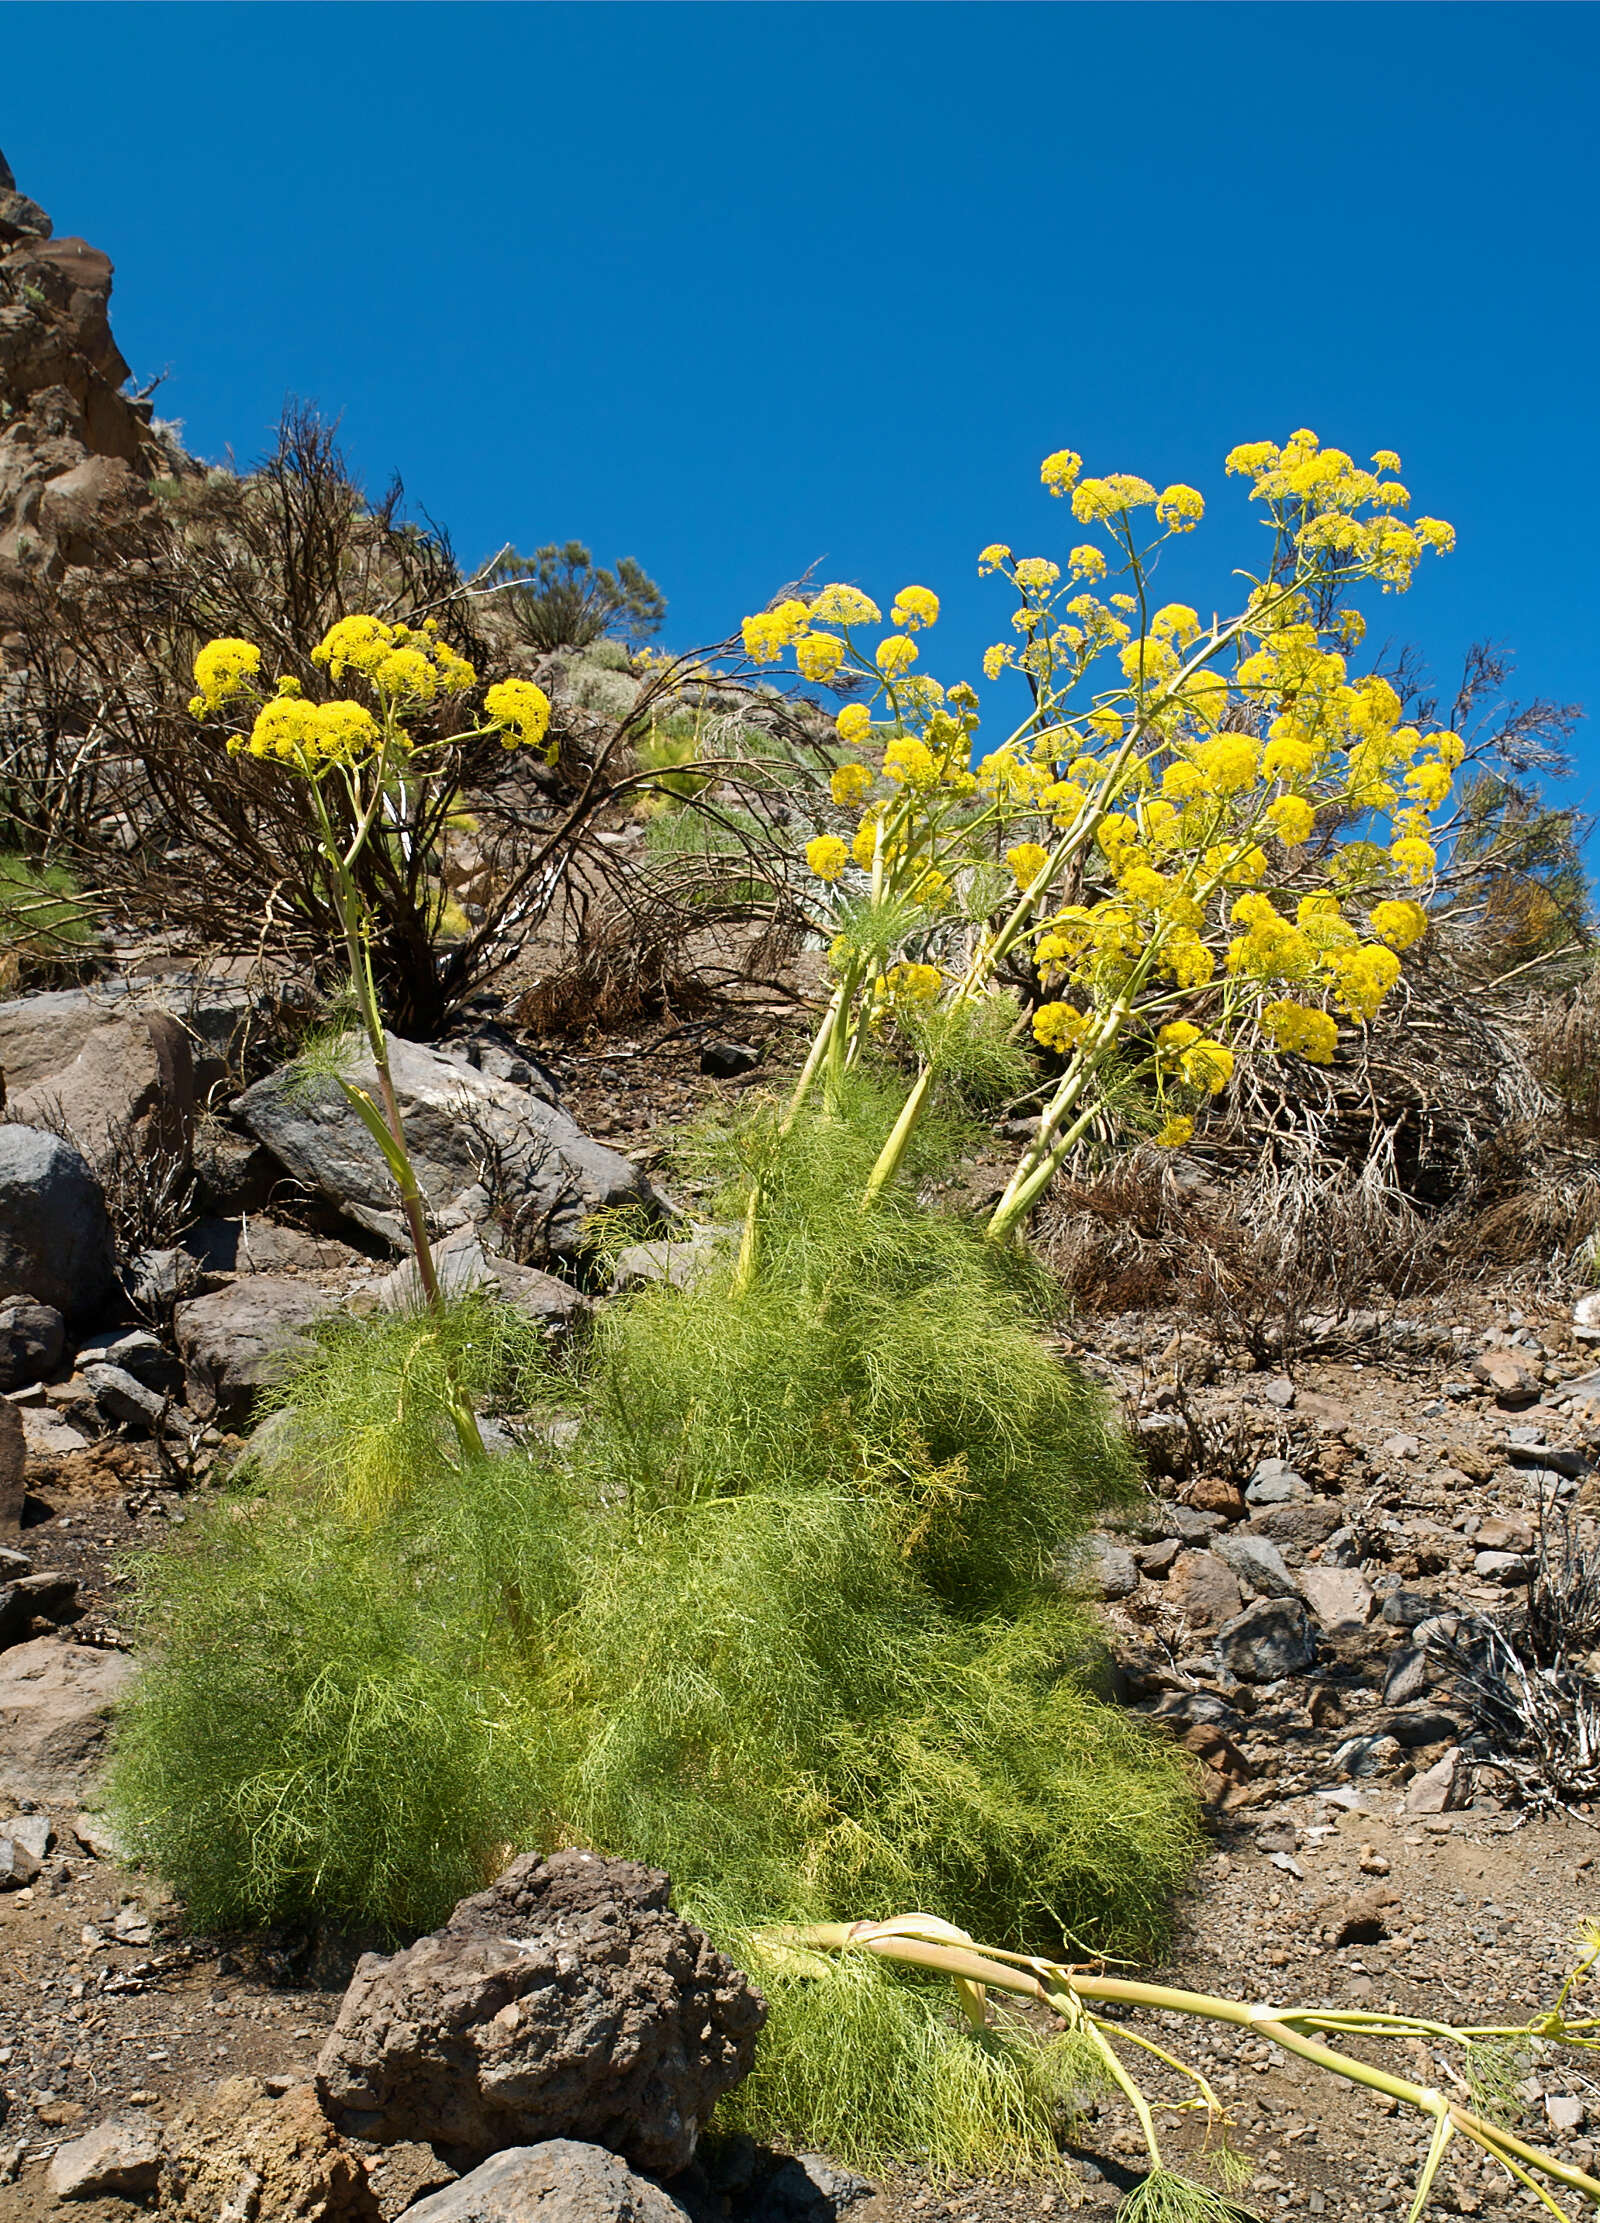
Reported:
(1268, 1640)
(1407, 1609)
(18, 1866)
(724, 1061)
(1259, 1563)
(462, 1263)
(566, 1998)
(678, 1263)
(237, 1341)
(1506, 1567)
(1369, 1754)
(112, 1070)
(14, 1563)
(557, 2181)
(55, 1702)
(1204, 1589)
(137, 1352)
(1418, 1725)
(1340, 1597)
(1188, 1523)
(32, 1339)
(1411, 1675)
(34, 1831)
(55, 1236)
(119, 2160)
(121, 1396)
(452, 1116)
(48, 1436)
(1304, 1523)
(1343, 1549)
(1565, 2112)
(1441, 1788)
(806, 2188)
(1112, 1571)
(1275, 1483)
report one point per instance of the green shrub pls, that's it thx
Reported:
(787, 1619)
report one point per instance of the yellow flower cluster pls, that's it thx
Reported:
(914, 607)
(827, 857)
(1199, 1061)
(222, 670)
(1059, 1026)
(407, 664)
(310, 735)
(521, 711)
(1299, 1028)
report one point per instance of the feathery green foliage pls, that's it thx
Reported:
(787, 1619)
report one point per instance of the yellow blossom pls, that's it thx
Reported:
(913, 608)
(1227, 763)
(1297, 1028)
(1176, 621)
(361, 642)
(1174, 1132)
(1415, 857)
(1059, 1026)
(850, 785)
(1027, 860)
(1253, 458)
(343, 732)
(827, 857)
(1429, 783)
(1095, 500)
(521, 709)
(992, 557)
(284, 728)
(819, 655)
(1362, 977)
(1291, 818)
(854, 723)
(1087, 562)
(910, 761)
(407, 673)
(837, 605)
(222, 669)
(1037, 572)
(1399, 922)
(769, 632)
(1180, 509)
(915, 984)
(864, 848)
(895, 654)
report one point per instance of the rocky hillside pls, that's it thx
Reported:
(74, 447)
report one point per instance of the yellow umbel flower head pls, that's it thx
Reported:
(854, 723)
(521, 710)
(362, 643)
(818, 656)
(1059, 1026)
(850, 785)
(1027, 860)
(838, 605)
(1059, 472)
(827, 857)
(1301, 1030)
(223, 669)
(913, 608)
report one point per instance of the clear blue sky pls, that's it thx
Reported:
(739, 288)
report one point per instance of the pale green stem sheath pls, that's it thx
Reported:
(1068, 1990)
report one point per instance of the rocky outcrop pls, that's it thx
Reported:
(567, 2001)
(237, 1341)
(75, 451)
(457, 1120)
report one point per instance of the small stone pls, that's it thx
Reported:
(1157, 1559)
(1257, 1561)
(1408, 1609)
(1280, 1392)
(724, 1061)
(559, 2179)
(1510, 1380)
(48, 1436)
(1565, 2112)
(1364, 1916)
(1270, 1639)
(98, 1838)
(32, 1339)
(32, 1831)
(1203, 1589)
(1439, 1789)
(1112, 1571)
(1210, 1494)
(1401, 1447)
(1190, 1524)
(1506, 1567)
(18, 1866)
(1367, 1755)
(1411, 1674)
(1340, 1597)
(119, 2160)
(1276, 1483)
(1504, 1533)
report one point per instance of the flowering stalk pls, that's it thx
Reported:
(358, 753)
(1199, 798)
(922, 1941)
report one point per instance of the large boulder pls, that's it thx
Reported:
(55, 1234)
(55, 1704)
(567, 2001)
(236, 1342)
(100, 1064)
(557, 2182)
(456, 1121)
